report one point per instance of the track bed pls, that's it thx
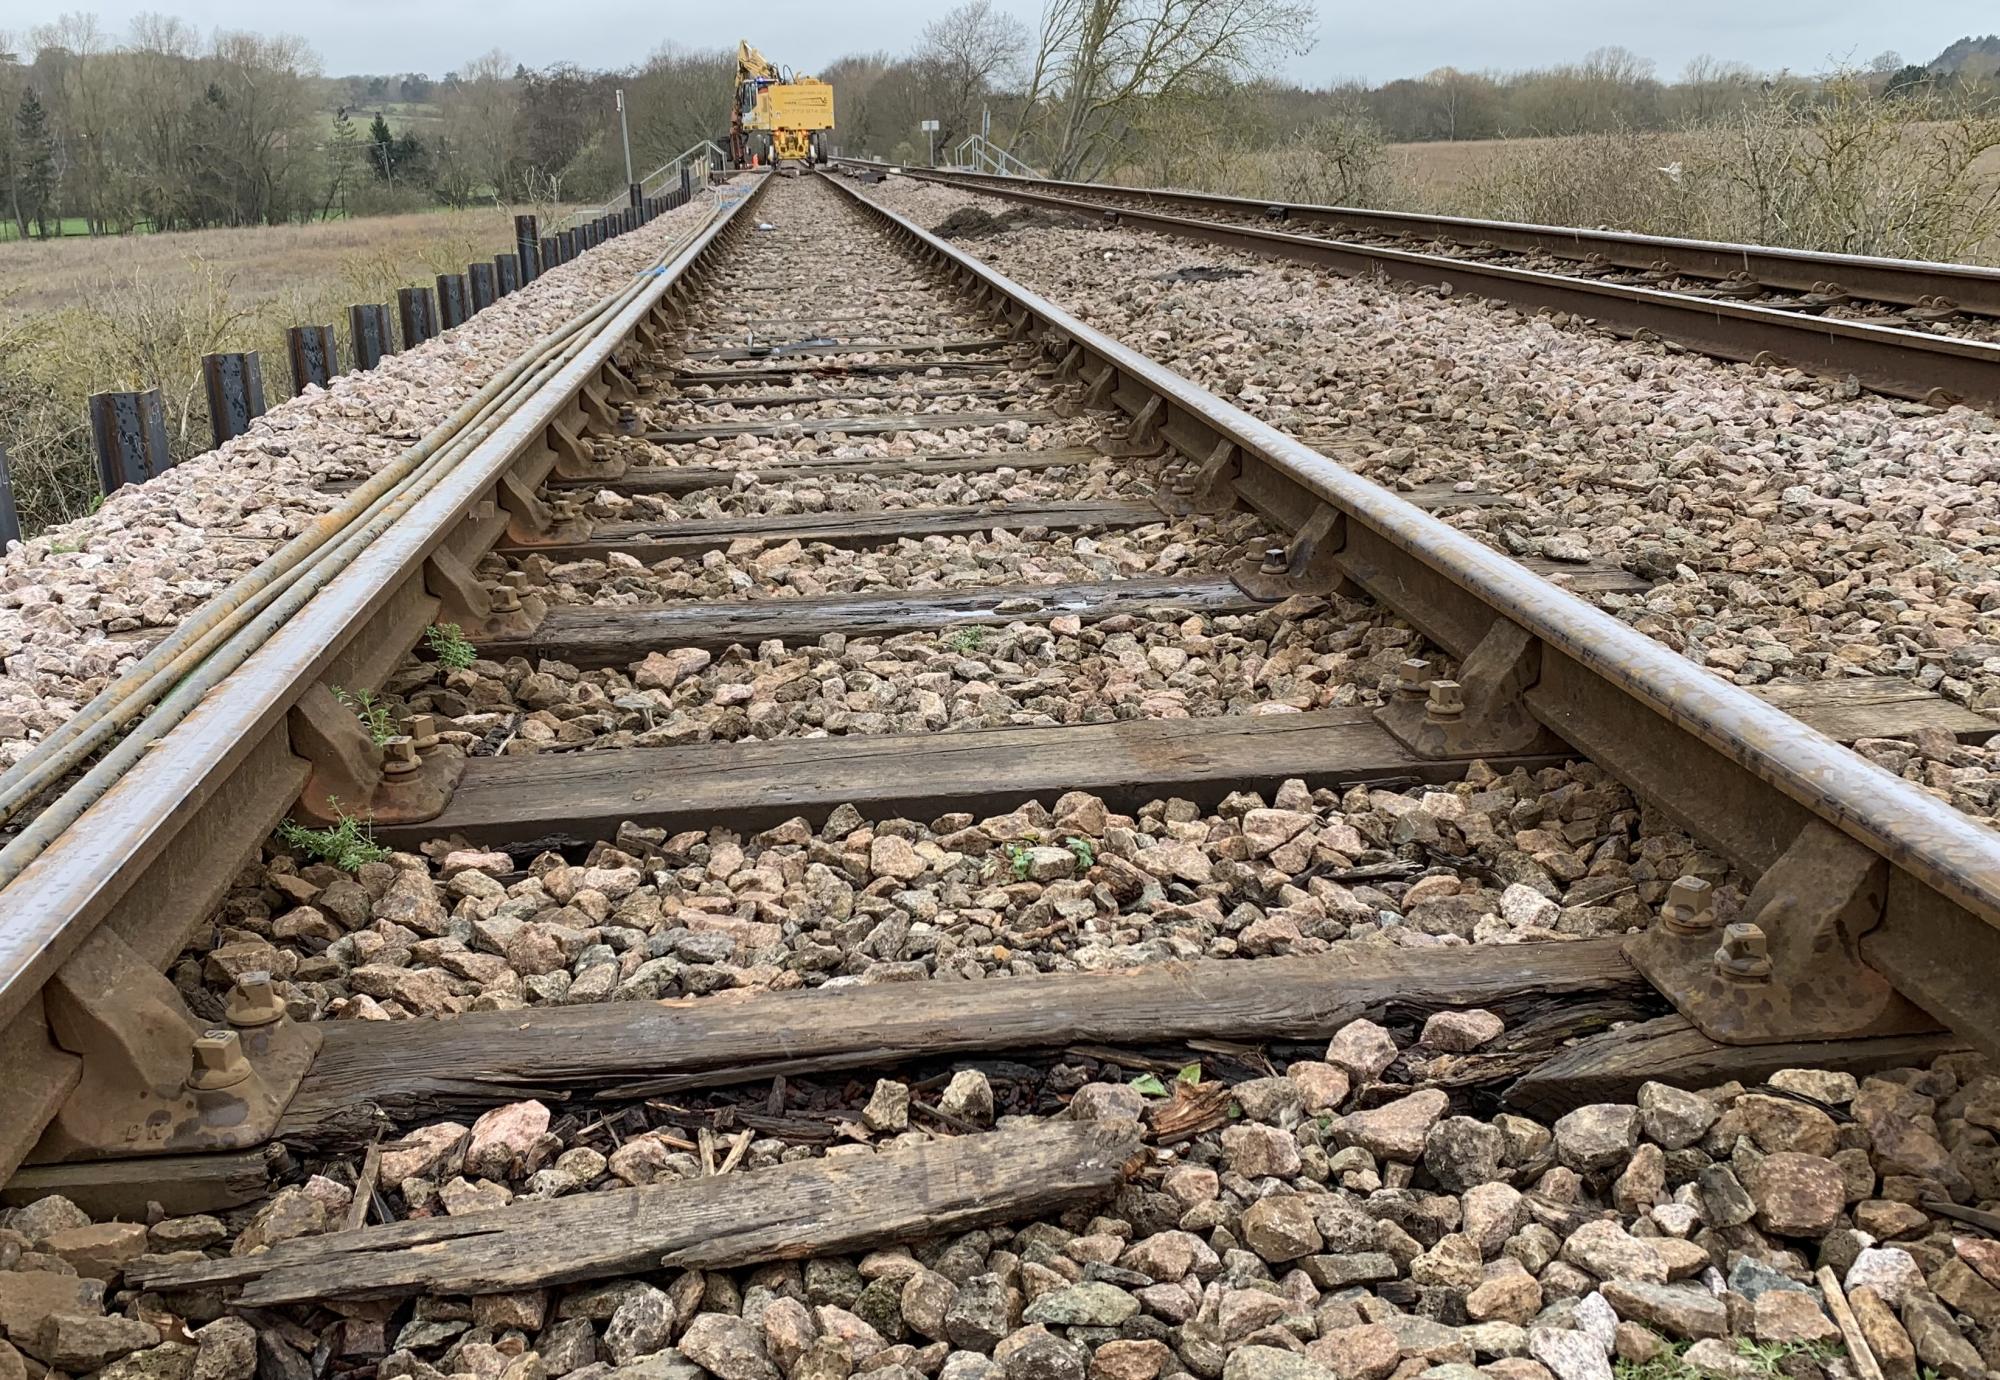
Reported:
(948, 879)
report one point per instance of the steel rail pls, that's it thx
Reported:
(133, 692)
(1932, 845)
(1888, 359)
(1906, 282)
(55, 902)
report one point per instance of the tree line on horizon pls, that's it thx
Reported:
(165, 129)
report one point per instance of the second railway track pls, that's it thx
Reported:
(1914, 330)
(843, 616)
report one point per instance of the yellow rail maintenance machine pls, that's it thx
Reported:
(777, 116)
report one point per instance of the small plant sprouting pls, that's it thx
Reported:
(966, 640)
(1763, 1360)
(347, 845)
(374, 715)
(447, 643)
(1017, 858)
(1086, 856)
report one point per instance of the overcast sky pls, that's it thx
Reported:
(1357, 38)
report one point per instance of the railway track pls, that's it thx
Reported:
(878, 710)
(1913, 330)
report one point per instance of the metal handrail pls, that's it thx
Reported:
(988, 157)
(699, 152)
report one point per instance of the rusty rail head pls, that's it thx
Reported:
(58, 898)
(1946, 850)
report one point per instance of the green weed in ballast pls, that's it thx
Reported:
(347, 845)
(447, 643)
(374, 715)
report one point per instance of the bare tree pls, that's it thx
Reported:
(962, 56)
(1461, 105)
(480, 110)
(1709, 90)
(1099, 63)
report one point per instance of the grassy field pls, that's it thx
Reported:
(262, 264)
(81, 316)
(1445, 173)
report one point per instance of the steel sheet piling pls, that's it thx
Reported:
(234, 384)
(370, 335)
(10, 519)
(526, 241)
(453, 306)
(418, 308)
(129, 431)
(313, 357)
(485, 292)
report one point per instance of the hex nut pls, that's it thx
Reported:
(1446, 702)
(1745, 954)
(218, 1061)
(254, 1001)
(1690, 907)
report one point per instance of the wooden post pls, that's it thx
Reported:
(548, 254)
(418, 308)
(507, 271)
(235, 387)
(524, 245)
(452, 307)
(484, 291)
(572, 244)
(369, 331)
(314, 359)
(129, 431)
(10, 519)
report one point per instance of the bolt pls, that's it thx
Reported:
(399, 756)
(1690, 907)
(218, 1061)
(1446, 702)
(1274, 561)
(423, 732)
(628, 420)
(1181, 484)
(506, 599)
(1413, 679)
(1744, 955)
(254, 1001)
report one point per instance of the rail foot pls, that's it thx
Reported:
(575, 460)
(1481, 714)
(405, 780)
(533, 521)
(1210, 489)
(1307, 566)
(1789, 967)
(155, 1080)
